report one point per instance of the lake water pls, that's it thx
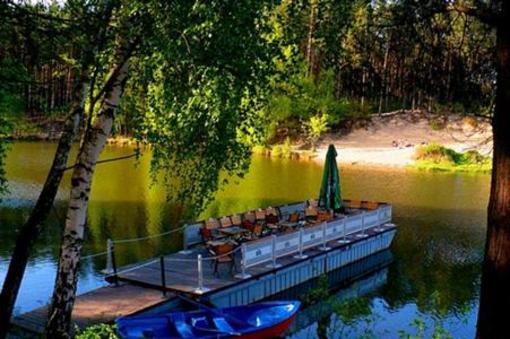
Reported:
(432, 280)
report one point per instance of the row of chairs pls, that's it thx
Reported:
(253, 221)
(270, 216)
(359, 204)
(261, 222)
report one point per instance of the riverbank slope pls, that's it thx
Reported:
(391, 141)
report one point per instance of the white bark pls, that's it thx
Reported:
(59, 318)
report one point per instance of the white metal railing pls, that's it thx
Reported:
(353, 223)
(257, 252)
(371, 218)
(312, 236)
(284, 244)
(287, 244)
(335, 229)
(271, 248)
(384, 214)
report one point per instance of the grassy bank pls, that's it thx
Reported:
(285, 150)
(435, 157)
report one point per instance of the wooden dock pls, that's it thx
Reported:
(141, 284)
(182, 276)
(102, 305)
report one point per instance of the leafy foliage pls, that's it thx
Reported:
(198, 93)
(282, 151)
(10, 108)
(438, 157)
(317, 126)
(101, 331)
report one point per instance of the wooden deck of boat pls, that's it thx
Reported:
(102, 305)
(181, 273)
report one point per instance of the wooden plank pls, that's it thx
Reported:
(102, 305)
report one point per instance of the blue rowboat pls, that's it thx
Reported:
(256, 321)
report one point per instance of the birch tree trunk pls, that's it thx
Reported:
(32, 227)
(59, 316)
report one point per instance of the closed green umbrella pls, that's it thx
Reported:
(330, 196)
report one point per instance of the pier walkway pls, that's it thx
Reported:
(265, 267)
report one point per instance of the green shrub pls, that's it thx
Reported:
(286, 149)
(474, 157)
(358, 111)
(276, 150)
(101, 331)
(299, 96)
(282, 150)
(439, 158)
(316, 127)
(259, 149)
(437, 154)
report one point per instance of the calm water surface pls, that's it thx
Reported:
(434, 276)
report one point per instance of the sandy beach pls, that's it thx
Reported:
(391, 141)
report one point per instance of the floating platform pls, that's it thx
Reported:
(266, 267)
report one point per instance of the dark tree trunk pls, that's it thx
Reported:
(31, 229)
(311, 33)
(384, 77)
(493, 314)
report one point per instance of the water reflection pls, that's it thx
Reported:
(437, 250)
(349, 304)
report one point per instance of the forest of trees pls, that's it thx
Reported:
(339, 59)
(201, 82)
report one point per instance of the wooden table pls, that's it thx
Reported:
(289, 224)
(216, 243)
(233, 231)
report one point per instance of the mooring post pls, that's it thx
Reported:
(114, 266)
(163, 277)
(200, 289)
(200, 273)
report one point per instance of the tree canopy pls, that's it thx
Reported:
(195, 96)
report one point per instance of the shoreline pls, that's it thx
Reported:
(391, 142)
(370, 156)
(383, 142)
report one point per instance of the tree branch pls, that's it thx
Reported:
(485, 15)
(107, 160)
